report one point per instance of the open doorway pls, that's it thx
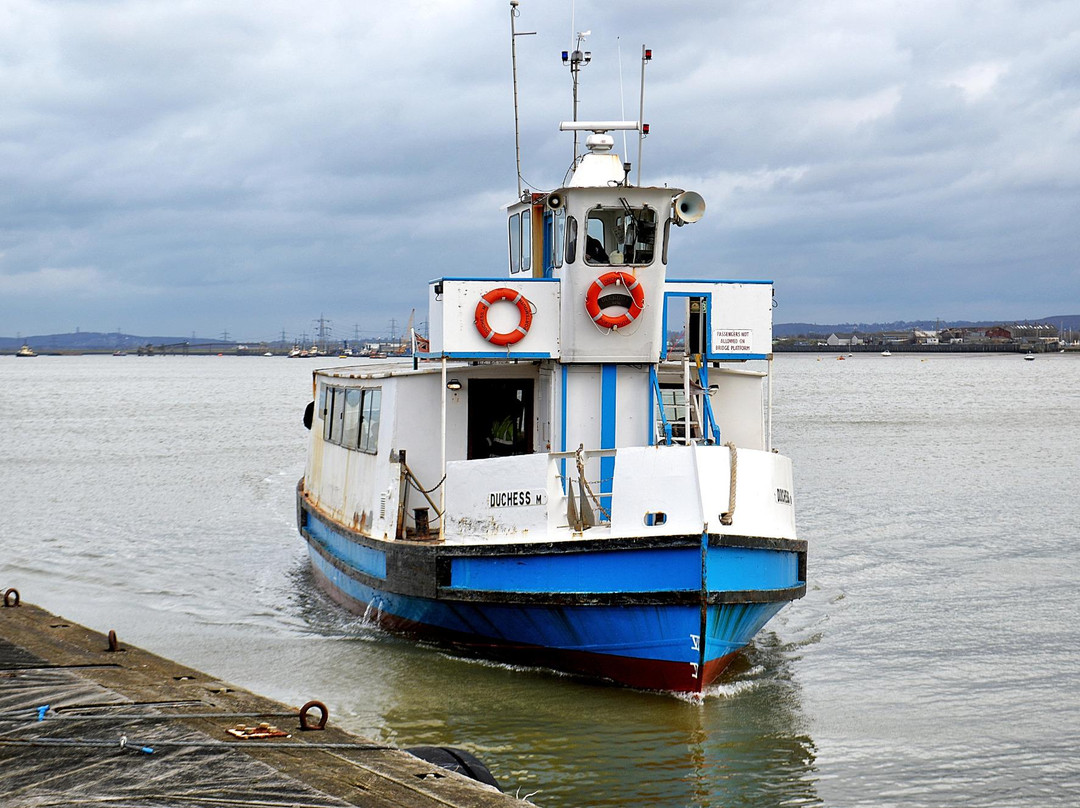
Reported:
(686, 325)
(500, 417)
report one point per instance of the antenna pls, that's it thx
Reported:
(577, 59)
(622, 95)
(513, 61)
(646, 57)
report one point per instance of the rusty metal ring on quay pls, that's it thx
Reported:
(114, 644)
(11, 597)
(323, 713)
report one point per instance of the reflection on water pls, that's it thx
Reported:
(574, 742)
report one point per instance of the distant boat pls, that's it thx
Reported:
(1029, 356)
(886, 352)
(268, 353)
(25, 350)
(119, 353)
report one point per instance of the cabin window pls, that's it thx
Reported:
(369, 423)
(571, 239)
(351, 417)
(335, 405)
(620, 235)
(351, 428)
(515, 243)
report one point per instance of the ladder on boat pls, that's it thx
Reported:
(683, 409)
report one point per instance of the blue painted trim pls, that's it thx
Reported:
(493, 355)
(525, 279)
(713, 280)
(724, 357)
(357, 556)
(546, 261)
(609, 395)
(708, 308)
(565, 392)
(741, 568)
(706, 400)
(653, 570)
(657, 403)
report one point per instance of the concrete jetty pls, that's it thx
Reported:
(86, 718)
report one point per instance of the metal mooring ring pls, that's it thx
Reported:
(114, 644)
(11, 597)
(323, 713)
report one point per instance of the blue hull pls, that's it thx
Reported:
(635, 614)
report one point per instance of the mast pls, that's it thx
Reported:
(514, 34)
(577, 59)
(643, 128)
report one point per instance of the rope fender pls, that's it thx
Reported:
(727, 516)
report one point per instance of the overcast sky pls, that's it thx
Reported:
(179, 166)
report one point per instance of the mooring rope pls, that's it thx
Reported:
(580, 454)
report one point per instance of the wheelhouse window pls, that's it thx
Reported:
(351, 417)
(520, 231)
(558, 232)
(515, 243)
(620, 235)
(571, 239)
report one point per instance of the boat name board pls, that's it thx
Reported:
(516, 499)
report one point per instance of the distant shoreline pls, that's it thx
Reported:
(1008, 348)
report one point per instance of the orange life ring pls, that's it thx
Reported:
(592, 299)
(524, 320)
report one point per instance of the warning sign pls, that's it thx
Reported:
(730, 340)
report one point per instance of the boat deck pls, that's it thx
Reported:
(81, 722)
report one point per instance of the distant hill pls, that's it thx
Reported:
(95, 341)
(98, 341)
(1066, 321)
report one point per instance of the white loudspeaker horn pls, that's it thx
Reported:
(554, 201)
(689, 207)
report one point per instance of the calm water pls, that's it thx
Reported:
(934, 661)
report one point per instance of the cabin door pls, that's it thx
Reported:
(500, 417)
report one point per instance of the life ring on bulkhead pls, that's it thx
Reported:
(637, 297)
(524, 308)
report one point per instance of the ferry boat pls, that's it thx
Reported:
(554, 484)
(25, 351)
